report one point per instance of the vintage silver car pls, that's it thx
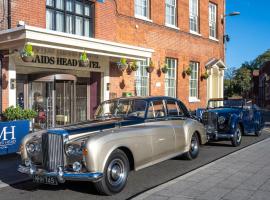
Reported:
(126, 134)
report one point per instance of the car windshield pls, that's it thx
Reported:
(232, 103)
(122, 108)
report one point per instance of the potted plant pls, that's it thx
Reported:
(122, 64)
(16, 122)
(133, 65)
(205, 75)
(27, 54)
(84, 61)
(151, 67)
(165, 68)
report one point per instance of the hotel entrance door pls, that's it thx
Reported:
(55, 100)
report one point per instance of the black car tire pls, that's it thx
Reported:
(115, 174)
(258, 132)
(194, 148)
(236, 140)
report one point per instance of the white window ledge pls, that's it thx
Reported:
(195, 33)
(193, 99)
(143, 18)
(213, 38)
(172, 26)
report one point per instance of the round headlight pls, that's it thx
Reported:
(76, 166)
(74, 150)
(221, 120)
(70, 150)
(31, 147)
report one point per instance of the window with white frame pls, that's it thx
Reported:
(213, 20)
(142, 8)
(70, 16)
(142, 79)
(193, 81)
(194, 15)
(170, 12)
(170, 77)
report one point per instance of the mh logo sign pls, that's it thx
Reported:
(7, 136)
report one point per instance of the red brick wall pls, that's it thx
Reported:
(166, 42)
(32, 12)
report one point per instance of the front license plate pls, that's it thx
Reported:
(45, 180)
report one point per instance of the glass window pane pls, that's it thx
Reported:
(78, 7)
(59, 21)
(87, 27)
(50, 19)
(50, 3)
(87, 10)
(69, 24)
(79, 26)
(60, 4)
(69, 5)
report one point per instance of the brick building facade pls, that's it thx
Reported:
(178, 33)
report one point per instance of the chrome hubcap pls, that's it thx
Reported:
(194, 144)
(116, 172)
(238, 135)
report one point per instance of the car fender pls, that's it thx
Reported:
(234, 121)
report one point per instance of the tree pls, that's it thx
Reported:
(242, 81)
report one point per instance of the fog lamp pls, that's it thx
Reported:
(76, 166)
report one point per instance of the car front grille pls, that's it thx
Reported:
(53, 151)
(209, 119)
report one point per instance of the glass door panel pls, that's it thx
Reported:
(63, 102)
(81, 102)
(40, 100)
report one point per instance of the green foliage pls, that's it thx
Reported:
(151, 64)
(28, 50)
(205, 75)
(123, 61)
(134, 65)
(17, 113)
(84, 56)
(188, 71)
(257, 62)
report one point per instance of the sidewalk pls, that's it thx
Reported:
(242, 175)
(8, 171)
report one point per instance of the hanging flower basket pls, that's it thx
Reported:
(151, 67)
(133, 65)
(84, 61)
(188, 71)
(205, 75)
(27, 54)
(165, 69)
(122, 64)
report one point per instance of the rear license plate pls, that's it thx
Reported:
(50, 180)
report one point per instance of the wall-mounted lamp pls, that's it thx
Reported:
(235, 13)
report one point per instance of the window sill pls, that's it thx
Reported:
(172, 26)
(214, 39)
(193, 100)
(195, 33)
(143, 18)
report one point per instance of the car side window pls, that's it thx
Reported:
(156, 110)
(173, 109)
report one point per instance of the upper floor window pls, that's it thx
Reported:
(142, 79)
(193, 81)
(70, 16)
(170, 12)
(213, 20)
(170, 77)
(142, 9)
(194, 15)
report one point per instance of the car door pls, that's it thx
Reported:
(176, 118)
(163, 137)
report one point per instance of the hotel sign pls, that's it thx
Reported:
(51, 60)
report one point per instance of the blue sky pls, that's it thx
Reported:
(249, 32)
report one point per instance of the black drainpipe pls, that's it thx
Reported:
(9, 14)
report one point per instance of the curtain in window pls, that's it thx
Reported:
(60, 4)
(60, 21)
(170, 78)
(49, 19)
(79, 26)
(171, 12)
(69, 23)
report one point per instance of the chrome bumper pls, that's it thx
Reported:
(61, 175)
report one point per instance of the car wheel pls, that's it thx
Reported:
(236, 140)
(258, 132)
(194, 148)
(115, 174)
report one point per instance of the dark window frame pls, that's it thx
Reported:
(74, 14)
